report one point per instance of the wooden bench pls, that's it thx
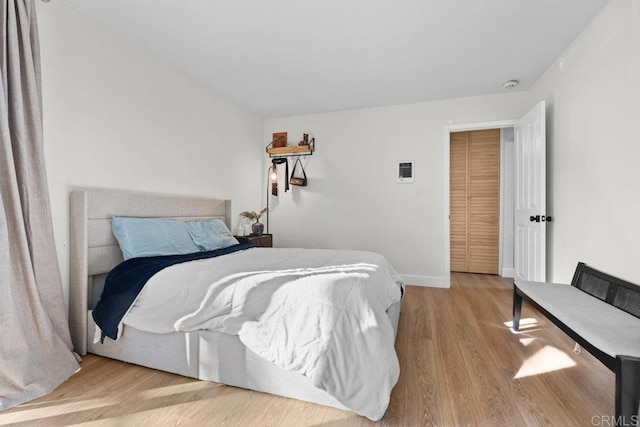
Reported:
(602, 314)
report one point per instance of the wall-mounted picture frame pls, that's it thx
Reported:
(279, 139)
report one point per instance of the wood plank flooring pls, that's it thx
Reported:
(461, 365)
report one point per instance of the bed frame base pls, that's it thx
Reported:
(217, 357)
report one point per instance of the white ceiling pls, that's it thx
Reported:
(289, 57)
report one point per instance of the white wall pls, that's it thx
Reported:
(353, 200)
(593, 148)
(117, 117)
(593, 99)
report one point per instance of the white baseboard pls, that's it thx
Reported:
(426, 281)
(508, 272)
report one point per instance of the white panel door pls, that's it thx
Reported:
(530, 209)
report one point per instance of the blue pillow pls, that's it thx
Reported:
(143, 237)
(210, 234)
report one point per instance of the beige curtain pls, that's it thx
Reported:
(35, 348)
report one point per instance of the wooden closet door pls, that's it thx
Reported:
(458, 200)
(475, 201)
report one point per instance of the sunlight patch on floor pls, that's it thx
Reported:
(526, 341)
(66, 407)
(526, 324)
(547, 359)
(174, 389)
(52, 411)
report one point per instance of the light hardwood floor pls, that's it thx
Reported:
(461, 365)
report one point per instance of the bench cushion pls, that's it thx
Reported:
(608, 328)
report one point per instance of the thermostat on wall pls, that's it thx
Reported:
(405, 172)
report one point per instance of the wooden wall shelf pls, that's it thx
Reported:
(292, 150)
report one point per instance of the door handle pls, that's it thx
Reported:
(537, 218)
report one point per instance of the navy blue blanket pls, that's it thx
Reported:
(124, 283)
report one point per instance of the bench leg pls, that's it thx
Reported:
(627, 391)
(517, 307)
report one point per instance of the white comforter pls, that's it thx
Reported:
(320, 313)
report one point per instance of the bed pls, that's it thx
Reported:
(202, 354)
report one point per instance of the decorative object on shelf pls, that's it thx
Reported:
(257, 227)
(244, 226)
(279, 139)
(274, 174)
(299, 181)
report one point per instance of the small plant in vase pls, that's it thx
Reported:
(257, 228)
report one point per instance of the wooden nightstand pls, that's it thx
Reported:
(266, 240)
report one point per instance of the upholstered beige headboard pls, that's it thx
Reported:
(94, 250)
